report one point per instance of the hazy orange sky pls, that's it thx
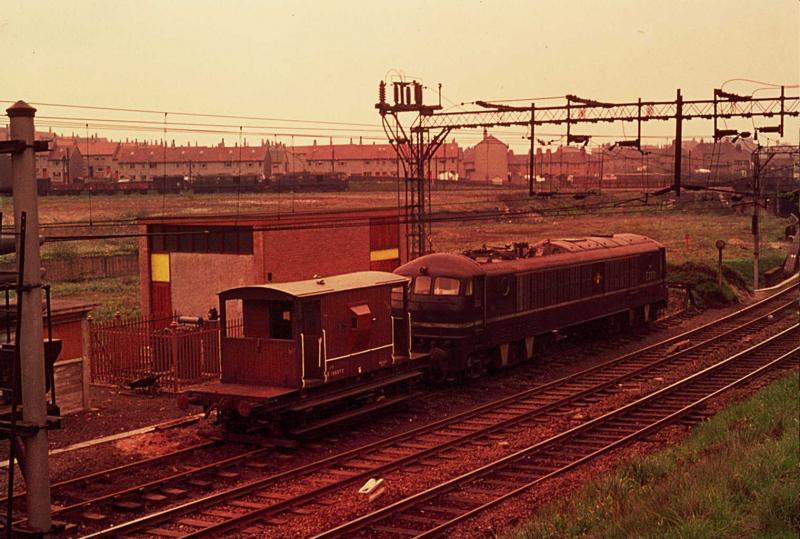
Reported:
(322, 60)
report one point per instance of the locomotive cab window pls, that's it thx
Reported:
(422, 285)
(446, 286)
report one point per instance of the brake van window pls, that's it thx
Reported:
(445, 286)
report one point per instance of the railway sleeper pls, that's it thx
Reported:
(396, 530)
(164, 532)
(582, 446)
(440, 509)
(417, 519)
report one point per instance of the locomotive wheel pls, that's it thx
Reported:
(618, 323)
(516, 352)
(476, 367)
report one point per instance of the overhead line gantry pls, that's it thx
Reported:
(417, 143)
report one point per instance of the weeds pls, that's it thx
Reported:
(737, 475)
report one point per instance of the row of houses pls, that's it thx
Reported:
(72, 159)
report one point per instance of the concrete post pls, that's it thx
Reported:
(756, 216)
(34, 409)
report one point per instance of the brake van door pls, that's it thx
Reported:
(311, 342)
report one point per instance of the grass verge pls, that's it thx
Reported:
(114, 294)
(737, 475)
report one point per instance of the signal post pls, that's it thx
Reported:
(34, 461)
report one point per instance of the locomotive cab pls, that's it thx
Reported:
(447, 306)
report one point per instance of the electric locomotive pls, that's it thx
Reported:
(484, 308)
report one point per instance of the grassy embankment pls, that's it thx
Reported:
(737, 475)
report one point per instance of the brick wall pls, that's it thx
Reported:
(300, 254)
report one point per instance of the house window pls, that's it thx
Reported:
(228, 163)
(153, 165)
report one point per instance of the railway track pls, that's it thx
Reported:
(78, 492)
(271, 499)
(438, 509)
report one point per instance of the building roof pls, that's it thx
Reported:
(89, 147)
(62, 152)
(316, 287)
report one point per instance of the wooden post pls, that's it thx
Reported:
(173, 343)
(86, 372)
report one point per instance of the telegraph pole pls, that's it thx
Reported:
(756, 216)
(678, 142)
(531, 165)
(30, 343)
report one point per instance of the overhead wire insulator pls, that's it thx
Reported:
(417, 93)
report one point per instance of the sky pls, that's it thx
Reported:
(322, 60)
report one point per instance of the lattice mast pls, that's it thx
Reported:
(415, 146)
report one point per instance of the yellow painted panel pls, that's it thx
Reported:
(159, 268)
(384, 254)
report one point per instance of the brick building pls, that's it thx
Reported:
(725, 157)
(143, 162)
(185, 261)
(369, 160)
(62, 164)
(487, 161)
(99, 157)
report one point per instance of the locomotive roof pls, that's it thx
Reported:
(315, 287)
(550, 253)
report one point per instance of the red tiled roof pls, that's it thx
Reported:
(60, 152)
(89, 147)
